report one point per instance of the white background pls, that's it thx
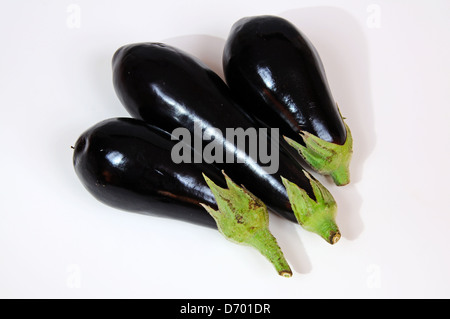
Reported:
(388, 67)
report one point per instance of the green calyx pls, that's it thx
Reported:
(318, 215)
(243, 218)
(326, 158)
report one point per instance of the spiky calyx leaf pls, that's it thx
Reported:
(318, 215)
(243, 218)
(326, 158)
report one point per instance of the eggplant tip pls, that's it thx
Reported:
(335, 238)
(286, 273)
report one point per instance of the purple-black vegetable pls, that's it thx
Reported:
(276, 74)
(126, 163)
(170, 89)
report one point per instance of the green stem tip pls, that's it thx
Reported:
(324, 157)
(318, 215)
(243, 219)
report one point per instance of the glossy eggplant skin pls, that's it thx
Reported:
(169, 88)
(126, 163)
(276, 73)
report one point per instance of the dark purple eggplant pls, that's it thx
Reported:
(126, 163)
(171, 89)
(276, 74)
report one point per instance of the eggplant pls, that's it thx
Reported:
(126, 163)
(275, 73)
(171, 89)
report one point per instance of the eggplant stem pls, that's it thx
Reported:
(267, 245)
